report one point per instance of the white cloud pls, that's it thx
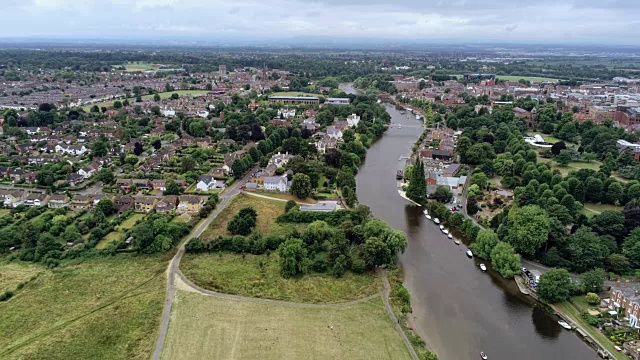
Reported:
(508, 20)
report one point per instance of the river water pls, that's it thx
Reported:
(457, 309)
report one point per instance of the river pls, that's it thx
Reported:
(457, 309)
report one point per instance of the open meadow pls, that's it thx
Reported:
(107, 308)
(259, 276)
(208, 327)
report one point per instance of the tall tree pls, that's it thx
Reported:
(554, 286)
(417, 188)
(301, 185)
(527, 228)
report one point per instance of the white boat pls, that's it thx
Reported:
(564, 324)
(483, 355)
(469, 253)
(428, 216)
(445, 231)
(450, 236)
(417, 117)
(436, 220)
(399, 126)
(483, 267)
(456, 241)
(441, 227)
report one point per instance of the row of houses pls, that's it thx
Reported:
(183, 204)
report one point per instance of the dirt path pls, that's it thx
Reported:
(394, 319)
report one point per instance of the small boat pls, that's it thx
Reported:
(564, 324)
(618, 348)
(469, 253)
(483, 267)
(450, 236)
(456, 241)
(441, 227)
(483, 355)
(445, 231)
(436, 220)
(399, 126)
(428, 216)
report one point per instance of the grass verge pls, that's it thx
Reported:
(572, 312)
(106, 308)
(206, 327)
(259, 276)
(14, 273)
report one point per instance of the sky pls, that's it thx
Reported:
(556, 21)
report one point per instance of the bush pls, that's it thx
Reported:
(590, 319)
(6, 295)
(592, 299)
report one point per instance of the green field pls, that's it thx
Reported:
(13, 273)
(259, 276)
(139, 66)
(549, 138)
(293, 93)
(207, 327)
(572, 166)
(527, 78)
(163, 95)
(595, 209)
(285, 196)
(268, 211)
(107, 308)
(119, 231)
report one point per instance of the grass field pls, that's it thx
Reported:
(205, 327)
(595, 209)
(527, 78)
(267, 210)
(139, 66)
(549, 138)
(283, 196)
(13, 273)
(107, 308)
(119, 231)
(572, 166)
(163, 95)
(235, 274)
(293, 93)
(571, 311)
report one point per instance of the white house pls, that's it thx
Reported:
(207, 182)
(286, 113)
(169, 113)
(276, 183)
(203, 113)
(71, 149)
(353, 120)
(334, 133)
(86, 172)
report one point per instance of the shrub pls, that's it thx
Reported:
(6, 295)
(592, 299)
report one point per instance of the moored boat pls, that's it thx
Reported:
(564, 324)
(436, 220)
(450, 236)
(456, 241)
(469, 253)
(483, 355)
(483, 267)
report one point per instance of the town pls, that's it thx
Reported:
(314, 194)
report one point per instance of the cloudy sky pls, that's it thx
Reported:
(559, 21)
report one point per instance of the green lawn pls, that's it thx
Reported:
(571, 311)
(163, 95)
(595, 209)
(259, 276)
(206, 327)
(572, 166)
(119, 231)
(107, 308)
(268, 211)
(527, 78)
(138, 66)
(293, 93)
(285, 196)
(548, 138)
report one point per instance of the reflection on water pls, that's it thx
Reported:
(546, 326)
(458, 309)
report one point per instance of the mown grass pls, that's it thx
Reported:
(595, 209)
(268, 211)
(287, 197)
(259, 276)
(205, 327)
(294, 93)
(13, 273)
(106, 308)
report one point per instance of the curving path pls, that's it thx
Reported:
(175, 277)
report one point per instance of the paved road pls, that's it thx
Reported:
(173, 268)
